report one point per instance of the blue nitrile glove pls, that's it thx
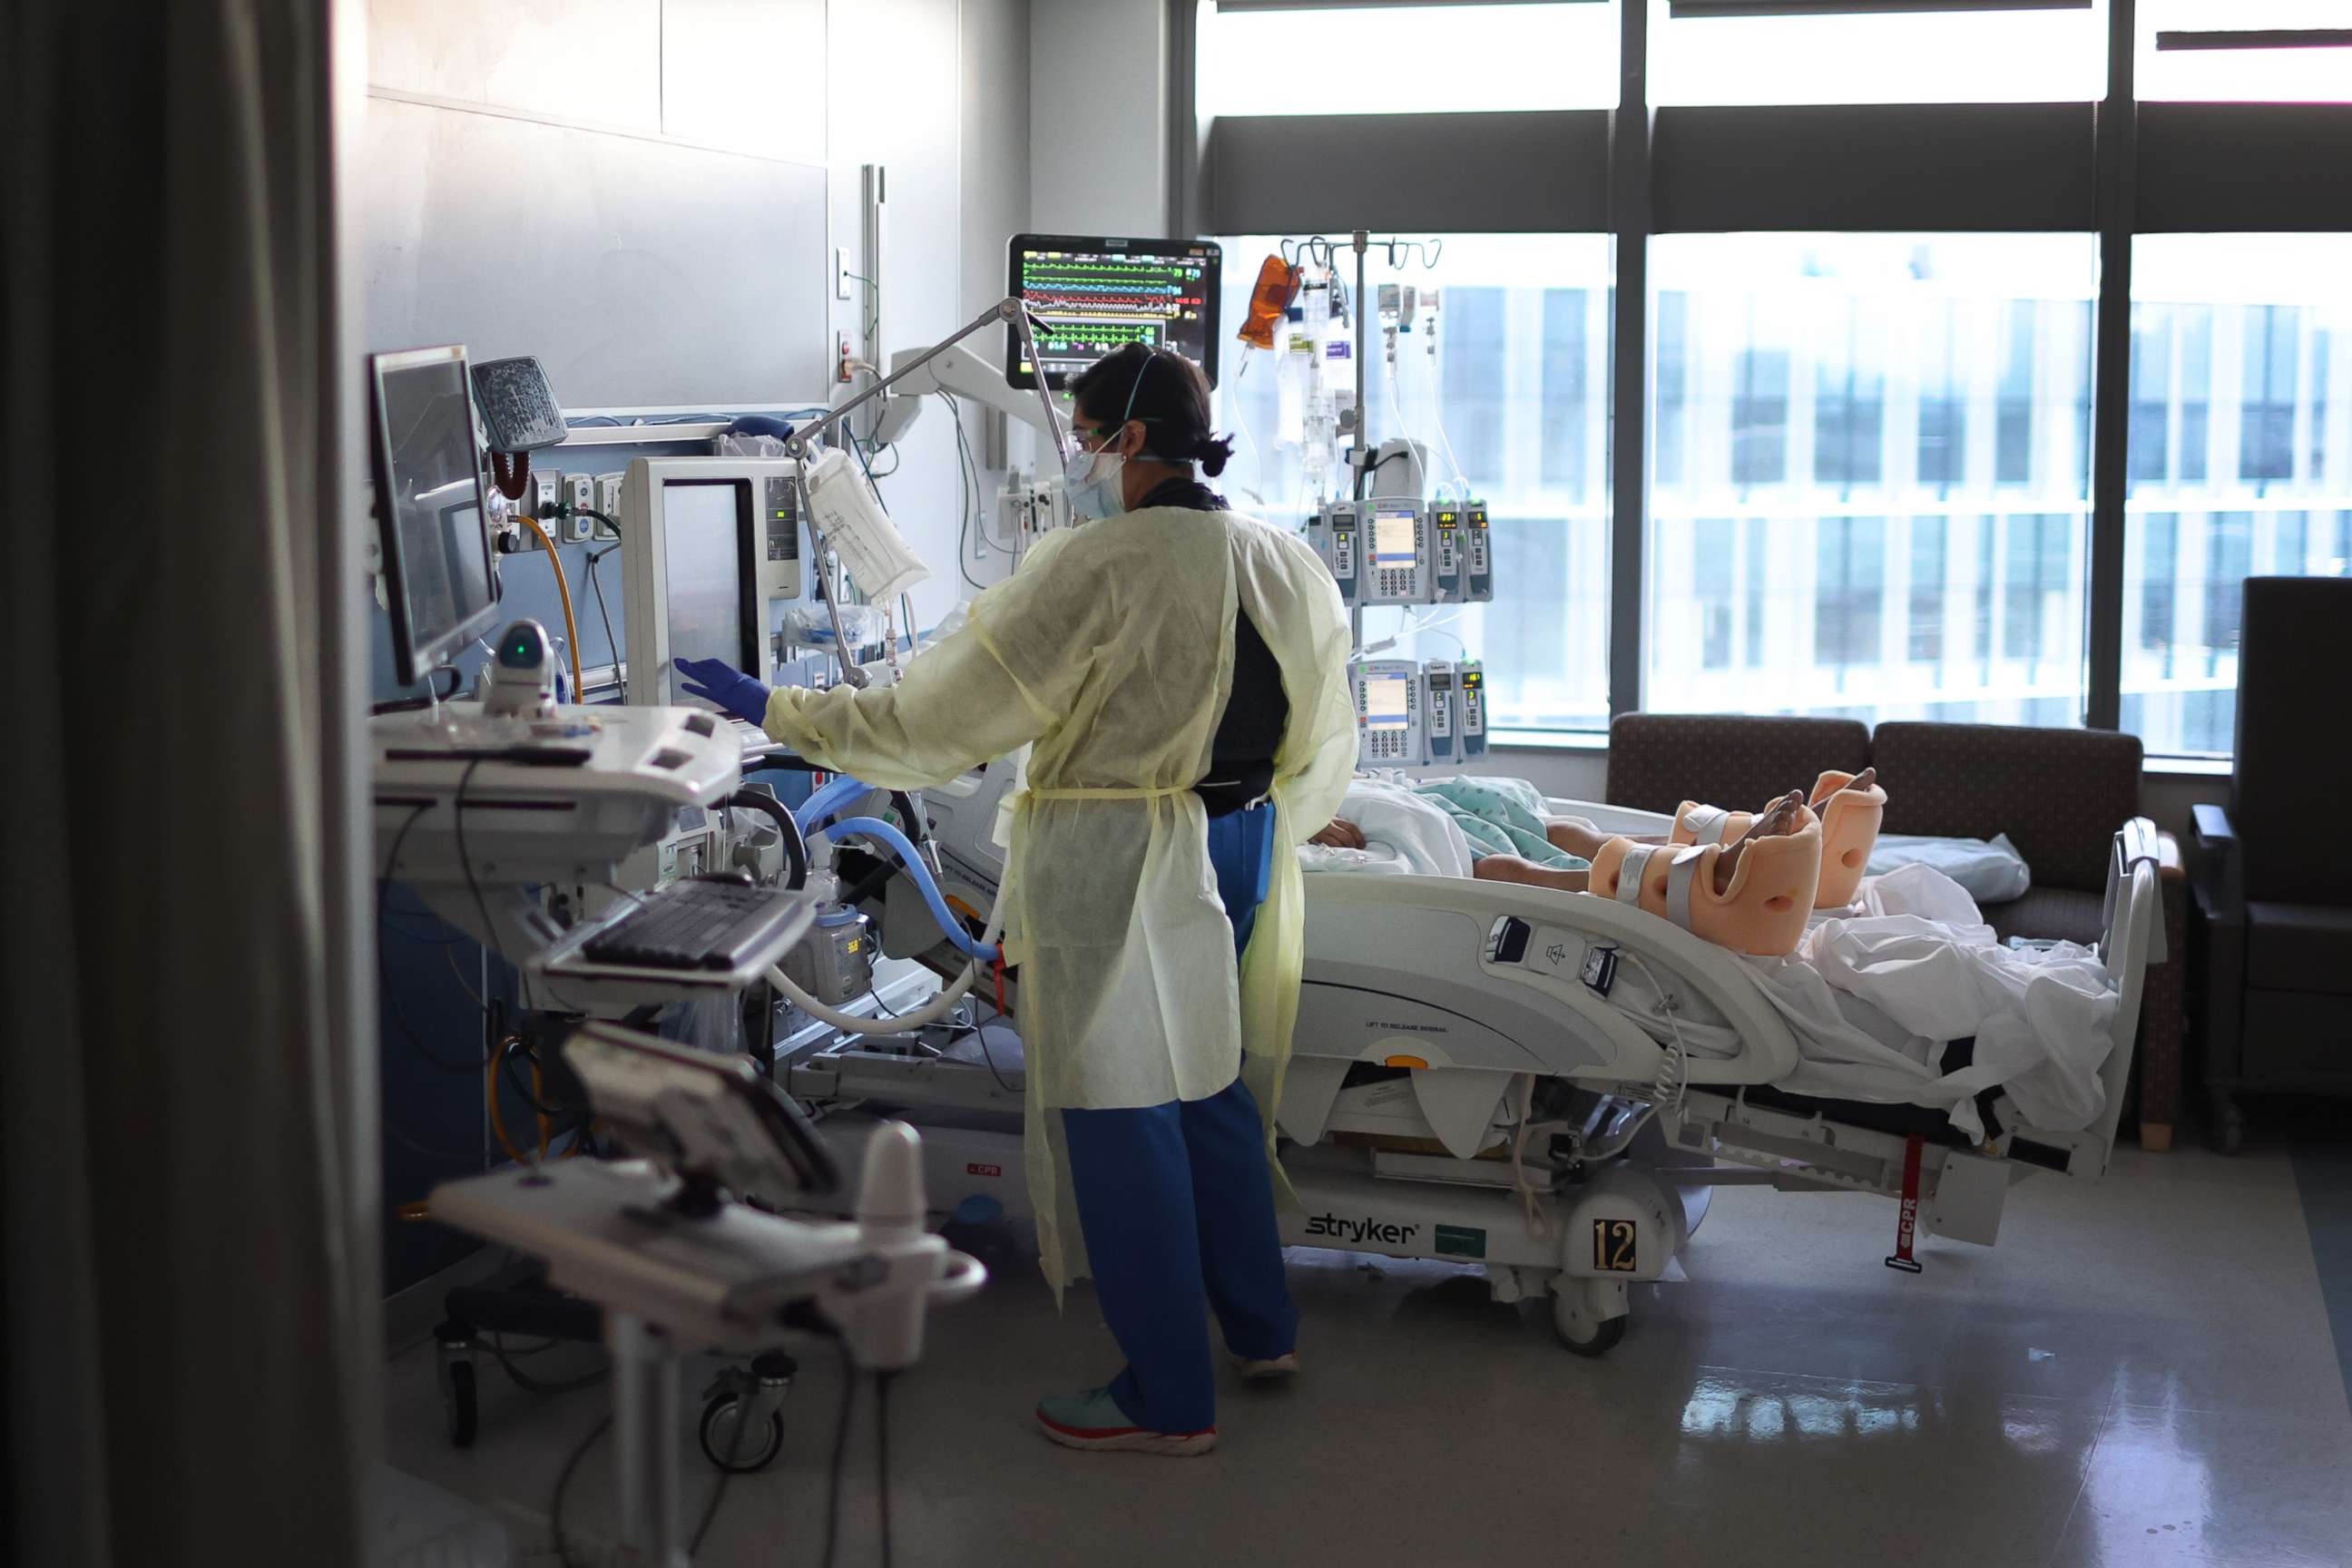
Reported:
(719, 681)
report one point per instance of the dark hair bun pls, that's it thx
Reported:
(1215, 452)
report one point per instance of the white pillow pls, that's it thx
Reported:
(1993, 873)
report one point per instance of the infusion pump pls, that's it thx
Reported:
(1412, 715)
(1395, 549)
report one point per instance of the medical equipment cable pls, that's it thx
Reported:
(882, 1455)
(840, 1448)
(564, 590)
(546, 1388)
(563, 1484)
(719, 1491)
(1674, 1071)
(795, 842)
(612, 644)
(971, 490)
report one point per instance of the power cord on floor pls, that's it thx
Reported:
(726, 1474)
(882, 1455)
(840, 1451)
(563, 1484)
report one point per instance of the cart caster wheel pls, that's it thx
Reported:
(1576, 1318)
(728, 1449)
(1585, 1337)
(459, 1405)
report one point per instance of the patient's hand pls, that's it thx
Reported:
(1342, 835)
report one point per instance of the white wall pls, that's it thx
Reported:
(935, 90)
(1098, 117)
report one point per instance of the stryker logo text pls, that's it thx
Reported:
(1360, 1230)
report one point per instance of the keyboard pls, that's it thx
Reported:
(693, 925)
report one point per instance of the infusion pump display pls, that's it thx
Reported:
(1412, 715)
(1392, 550)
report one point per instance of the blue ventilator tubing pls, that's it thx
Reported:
(874, 828)
(841, 792)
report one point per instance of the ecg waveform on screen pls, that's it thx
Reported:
(1090, 304)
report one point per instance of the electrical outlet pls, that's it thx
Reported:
(546, 492)
(840, 272)
(608, 499)
(842, 358)
(579, 492)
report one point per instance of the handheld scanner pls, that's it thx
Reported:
(1437, 682)
(1479, 568)
(1390, 714)
(1450, 550)
(1471, 698)
(1399, 553)
(1344, 541)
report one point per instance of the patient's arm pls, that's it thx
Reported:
(1341, 833)
(1511, 868)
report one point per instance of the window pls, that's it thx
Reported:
(2014, 57)
(1566, 374)
(2242, 76)
(2014, 413)
(1471, 349)
(2266, 417)
(2152, 392)
(2256, 318)
(1759, 417)
(1849, 589)
(1716, 547)
(2196, 390)
(1880, 476)
(2034, 620)
(2158, 581)
(1327, 61)
(1926, 589)
(1849, 400)
(1943, 443)
(1674, 387)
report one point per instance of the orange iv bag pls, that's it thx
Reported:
(1277, 285)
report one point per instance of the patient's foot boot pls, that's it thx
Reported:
(1268, 1368)
(1778, 820)
(1092, 1419)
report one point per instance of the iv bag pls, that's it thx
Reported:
(1277, 285)
(849, 518)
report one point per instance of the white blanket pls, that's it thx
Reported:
(1918, 955)
(1402, 834)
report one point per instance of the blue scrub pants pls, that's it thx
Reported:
(1177, 1206)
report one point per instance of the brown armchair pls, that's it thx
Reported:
(2274, 924)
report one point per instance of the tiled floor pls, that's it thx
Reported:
(2142, 1373)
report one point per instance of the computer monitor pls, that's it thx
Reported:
(429, 508)
(1094, 294)
(706, 542)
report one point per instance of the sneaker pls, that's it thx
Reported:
(1269, 1368)
(1092, 1419)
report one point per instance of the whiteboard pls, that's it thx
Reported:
(641, 273)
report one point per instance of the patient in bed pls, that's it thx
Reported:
(1746, 881)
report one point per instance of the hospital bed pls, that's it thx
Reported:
(1461, 1088)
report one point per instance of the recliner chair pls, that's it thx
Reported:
(2272, 871)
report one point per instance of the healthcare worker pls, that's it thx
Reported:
(1180, 671)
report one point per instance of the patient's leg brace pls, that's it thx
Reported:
(1764, 909)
